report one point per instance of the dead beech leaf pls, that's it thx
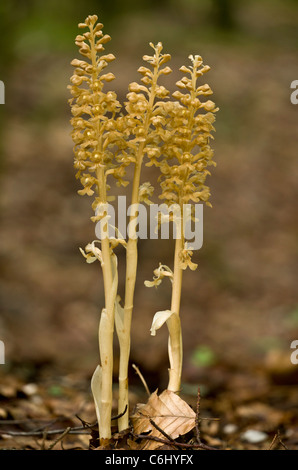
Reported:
(169, 412)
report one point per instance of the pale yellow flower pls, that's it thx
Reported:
(159, 273)
(92, 252)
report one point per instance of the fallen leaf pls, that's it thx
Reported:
(169, 412)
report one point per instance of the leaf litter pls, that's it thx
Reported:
(169, 413)
(34, 416)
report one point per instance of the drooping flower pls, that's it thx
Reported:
(92, 252)
(159, 274)
(185, 258)
(145, 192)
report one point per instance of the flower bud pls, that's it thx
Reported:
(108, 77)
(166, 70)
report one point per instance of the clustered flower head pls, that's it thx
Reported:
(94, 113)
(145, 117)
(174, 135)
(187, 154)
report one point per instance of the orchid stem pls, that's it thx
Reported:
(174, 325)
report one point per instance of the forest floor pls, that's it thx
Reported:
(238, 410)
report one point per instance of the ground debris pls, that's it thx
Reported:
(47, 416)
(168, 412)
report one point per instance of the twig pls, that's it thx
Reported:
(283, 445)
(46, 426)
(59, 438)
(91, 426)
(197, 420)
(120, 414)
(173, 442)
(72, 430)
(280, 442)
(85, 424)
(44, 437)
(162, 431)
(76, 430)
(23, 421)
(142, 379)
(15, 422)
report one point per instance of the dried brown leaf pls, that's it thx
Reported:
(169, 412)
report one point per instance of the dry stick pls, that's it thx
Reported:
(84, 423)
(73, 430)
(174, 443)
(82, 430)
(59, 438)
(142, 379)
(131, 271)
(47, 423)
(161, 431)
(44, 436)
(282, 444)
(29, 420)
(273, 444)
(197, 420)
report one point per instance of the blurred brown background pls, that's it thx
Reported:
(240, 307)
